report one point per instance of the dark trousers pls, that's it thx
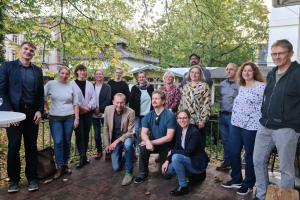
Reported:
(82, 133)
(97, 123)
(162, 150)
(29, 130)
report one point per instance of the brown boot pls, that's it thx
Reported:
(58, 173)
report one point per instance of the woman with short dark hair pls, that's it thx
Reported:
(87, 103)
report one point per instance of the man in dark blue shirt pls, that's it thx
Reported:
(158, 129)
(22, 90)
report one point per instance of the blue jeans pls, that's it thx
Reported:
(97, 122)
(238, 139)
(61, 131)
(116, 156)
(224, 127)
(180, 165)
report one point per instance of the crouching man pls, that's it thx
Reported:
(118, 135)
(158, 128)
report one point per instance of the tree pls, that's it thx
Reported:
(219, 31)
(81, 30)
(2, 32)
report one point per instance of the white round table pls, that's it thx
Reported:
(7, 117)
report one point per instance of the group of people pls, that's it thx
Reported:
(258, 115)
(255, 115)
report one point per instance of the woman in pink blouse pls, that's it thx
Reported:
(172, 92)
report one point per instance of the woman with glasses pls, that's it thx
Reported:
(63, 117)
(245, 122)
(187, 156)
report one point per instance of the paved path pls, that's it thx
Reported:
(97, 181)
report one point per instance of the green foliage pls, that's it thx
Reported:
(82, 30)
(220, 31)
(2, 18)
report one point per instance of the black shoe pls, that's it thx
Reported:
(255, 198)
(179, 191)
(67, 170)
(13, 187)
(195, 179)
(223, 167)
(231, 184)
(140, 178)
(80, 164)
(167, 176)
(244, 190)
(86, 161)
(33, 185)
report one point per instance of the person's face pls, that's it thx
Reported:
(64, 75)
(230, 71)
(157, 101)
(169, 79)
(141, 79)
(247, 73)
(119, 103)
(183, 120)
(27, 52)
(81, 74)
(281, 56)
(98, 76)
(195, 75)
(118, 75)
(194, 60)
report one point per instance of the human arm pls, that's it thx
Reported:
(205, 107)
(4, 84)
(106, 136)
(176, 100)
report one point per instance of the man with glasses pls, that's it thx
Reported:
(158, 128)
(22, 90)
(280, 124)
(118, 85)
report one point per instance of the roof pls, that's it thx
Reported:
(126, 54)
(147, 67)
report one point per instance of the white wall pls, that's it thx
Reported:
(284, 24)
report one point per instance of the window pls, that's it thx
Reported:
(15, 39)
(13, 55)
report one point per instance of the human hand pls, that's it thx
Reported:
(76, 123)
(37, 117)
(164, 167)
(149, 145)
(201, 125)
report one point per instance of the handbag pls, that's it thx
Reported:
(45, 163)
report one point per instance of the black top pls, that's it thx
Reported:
(116, 133)
(28, 85)
(119, 87)
(193, 147)
(281, 103)
(81, 85)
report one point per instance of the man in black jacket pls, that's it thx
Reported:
(22, 90)
(280, 124)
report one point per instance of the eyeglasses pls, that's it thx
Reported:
(182, 118)
(279, 54)
(157, 119)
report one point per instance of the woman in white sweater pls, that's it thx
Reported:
(87, 103)
(63, 117)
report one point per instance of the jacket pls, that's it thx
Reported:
(281, 101)
(11, 87)
(193, 148)
(104, 97)
(135, 98)
(127, 124)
